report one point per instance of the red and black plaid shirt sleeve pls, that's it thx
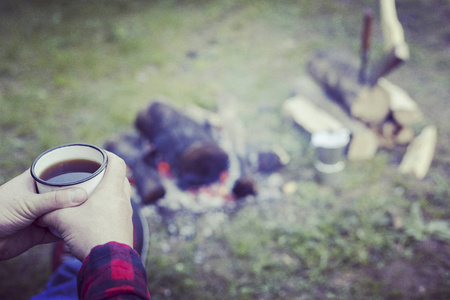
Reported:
(112, 271)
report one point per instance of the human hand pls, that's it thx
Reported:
(105, 217)
(20, 206)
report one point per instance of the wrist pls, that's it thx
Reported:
(109, 245)
(81, 245)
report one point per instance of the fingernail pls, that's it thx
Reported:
(78, 196)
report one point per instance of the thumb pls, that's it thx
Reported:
(44, 203)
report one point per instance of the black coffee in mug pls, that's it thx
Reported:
(69, 171)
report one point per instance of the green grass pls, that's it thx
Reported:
(81, 70)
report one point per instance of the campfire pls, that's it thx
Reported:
(188, 163)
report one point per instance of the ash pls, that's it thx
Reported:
(179, 211)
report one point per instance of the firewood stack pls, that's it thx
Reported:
(385, 108)
(385, 112)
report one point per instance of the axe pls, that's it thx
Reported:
(396, 49)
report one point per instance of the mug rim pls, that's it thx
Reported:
(97, 172)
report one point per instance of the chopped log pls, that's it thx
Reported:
(193, 155)
(419, 154)
(371, 105)
(404, 136)
(391, 134)
(386, 133)
(133, 150)
(308, 116)
(405, 110)
(389, 129)
(364, 142)
(363, 145)
(338, 75)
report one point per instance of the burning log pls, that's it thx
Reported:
(147, 182)
(244, 186)
(133, 150)
(233, 131)
(190, 150)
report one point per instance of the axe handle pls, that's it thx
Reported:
(366, 36)
(390, 25)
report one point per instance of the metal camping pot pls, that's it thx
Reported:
(330, 153)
